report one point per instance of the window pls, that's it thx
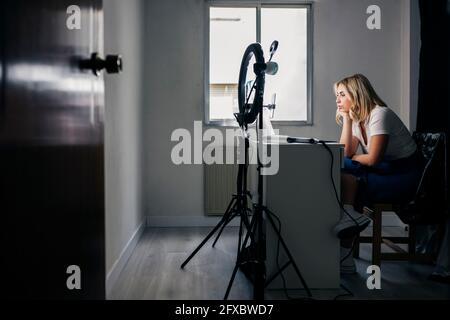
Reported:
(231, 29)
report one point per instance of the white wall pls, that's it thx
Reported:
(174, 99)
(174, 83)
(342, 46)
(124, 96)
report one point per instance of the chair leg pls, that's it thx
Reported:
(376, 237)
(356, 247)
(411, 241)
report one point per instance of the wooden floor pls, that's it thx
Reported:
(153, 272)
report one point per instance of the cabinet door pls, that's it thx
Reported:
(51, 150)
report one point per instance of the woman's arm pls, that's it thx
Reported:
(378, 144)
(347, 139)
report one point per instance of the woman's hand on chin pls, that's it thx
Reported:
(344, 115)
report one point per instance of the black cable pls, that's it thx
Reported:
(278, 257)
(278, 262)
(337, 198)
(348, 294)
(324, 144)
(350, 252)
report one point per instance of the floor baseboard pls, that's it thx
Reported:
(119, 264)
(187, 221)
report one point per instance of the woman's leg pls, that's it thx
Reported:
(349, 191)
(353, 187)
(352, 222)
(349, 186)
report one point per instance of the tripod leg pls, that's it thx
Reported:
(240, 239)
(273, 277)
(269, 213)
(260, 272)
(223, 227)
(244, 217)
(240, 209)
(224, 218)
(238, 261)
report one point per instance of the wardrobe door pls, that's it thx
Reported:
(51, 150)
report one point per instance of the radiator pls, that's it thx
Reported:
(220, 185)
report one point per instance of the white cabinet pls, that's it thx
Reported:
(303, 198)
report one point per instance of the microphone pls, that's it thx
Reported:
(273, 49)
(302, 140)
(271, 68)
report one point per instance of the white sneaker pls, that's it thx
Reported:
(348, 265)
(347, 228)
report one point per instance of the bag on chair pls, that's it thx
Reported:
(430, 204)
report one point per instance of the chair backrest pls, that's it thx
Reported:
(430, 205)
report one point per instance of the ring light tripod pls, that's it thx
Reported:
(248, 113)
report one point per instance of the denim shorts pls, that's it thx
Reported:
(393, 181)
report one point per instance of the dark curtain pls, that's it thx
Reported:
(433, 114)
(434, 90)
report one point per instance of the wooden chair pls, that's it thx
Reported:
(429, 206)
(391, 241)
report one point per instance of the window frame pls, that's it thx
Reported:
(258, 5)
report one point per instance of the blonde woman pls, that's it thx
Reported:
(388, 169)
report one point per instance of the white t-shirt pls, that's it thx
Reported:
(383, 120)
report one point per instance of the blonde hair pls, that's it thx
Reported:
(363, 96)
